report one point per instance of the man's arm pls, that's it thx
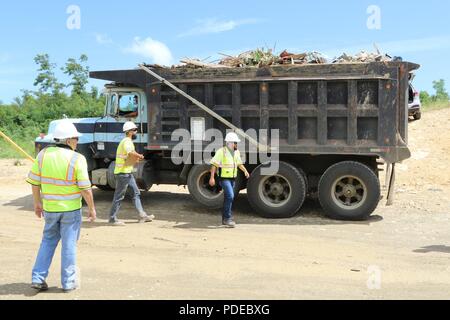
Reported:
(137, 155)
(131, 151)
(84, 184)
(38, 209)
(212, 180)
(89, 198)
(243, 169)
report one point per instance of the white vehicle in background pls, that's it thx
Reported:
(414, 103)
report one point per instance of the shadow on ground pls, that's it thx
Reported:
(182, 210)
(23, 203)
(23, 289)
(435, 248)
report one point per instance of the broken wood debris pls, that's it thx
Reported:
(198, 63)
(265, 57)
(365, 57)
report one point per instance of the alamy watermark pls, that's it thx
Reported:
(76, 275)
(374, 279)
(191, 148)
(74, 20)
(374, 19)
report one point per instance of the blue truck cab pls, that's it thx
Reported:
(102, 135)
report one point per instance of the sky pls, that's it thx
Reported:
(122, 34)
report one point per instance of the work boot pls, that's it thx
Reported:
(117, 223)
(69, 290)
(146, 218)
(40, 286)
(229, 223)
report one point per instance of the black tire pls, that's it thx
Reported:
(104, 188)
(349, 191)
(279, 196)
(111, 177)
(198, 185)
(418, 115)
(144, 175)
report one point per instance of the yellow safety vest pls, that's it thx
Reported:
(61, 174)
(125, 147)
(227, 163)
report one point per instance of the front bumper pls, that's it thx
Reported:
(413, 110)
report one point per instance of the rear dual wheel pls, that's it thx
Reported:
(349, 191)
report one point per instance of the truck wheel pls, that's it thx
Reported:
(202, 192)
(104, 188)
(418, 115)
(111, 177)
(349, 191)
(144, 175)
(277, 196)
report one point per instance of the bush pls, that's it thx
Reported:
(25, 120)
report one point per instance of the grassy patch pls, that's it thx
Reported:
(436, 105)
(8, 152)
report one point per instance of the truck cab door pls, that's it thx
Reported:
(104, 146)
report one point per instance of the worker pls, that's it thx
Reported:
(125, 178)
(225, 163)
(59, 179)
(131, 109)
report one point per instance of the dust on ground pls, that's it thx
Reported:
(403, 251)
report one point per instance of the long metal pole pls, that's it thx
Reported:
(16, 146)
(205, 108)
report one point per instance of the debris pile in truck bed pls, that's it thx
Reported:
(364, 57)
(258, 57)
(262, 58)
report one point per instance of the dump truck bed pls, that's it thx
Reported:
(344, 109)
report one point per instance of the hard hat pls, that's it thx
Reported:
(65, 130)
(128, 126)
(232, 137)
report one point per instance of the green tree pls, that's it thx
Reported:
(94, 92)
(425, 97)
(79, 72)
(46, 80)
(441, 92)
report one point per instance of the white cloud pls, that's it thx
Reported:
(214, 25)
(152, 49)
(103, 38)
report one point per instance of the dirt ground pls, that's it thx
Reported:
(403, 251)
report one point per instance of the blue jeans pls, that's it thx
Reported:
(123, 181)
(64, 226)
(228, 191)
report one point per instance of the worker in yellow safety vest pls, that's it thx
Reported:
(226, 163)
(123, 172)
(59, 179)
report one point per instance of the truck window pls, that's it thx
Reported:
(111, 109)
(128, 105)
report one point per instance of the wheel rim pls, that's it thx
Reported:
(205, 189)
(275, 191)
(349, 192)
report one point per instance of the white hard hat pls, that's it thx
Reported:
(129, 126)
(232, 137)
(65, 129)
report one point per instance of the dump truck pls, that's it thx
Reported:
(338, 124)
